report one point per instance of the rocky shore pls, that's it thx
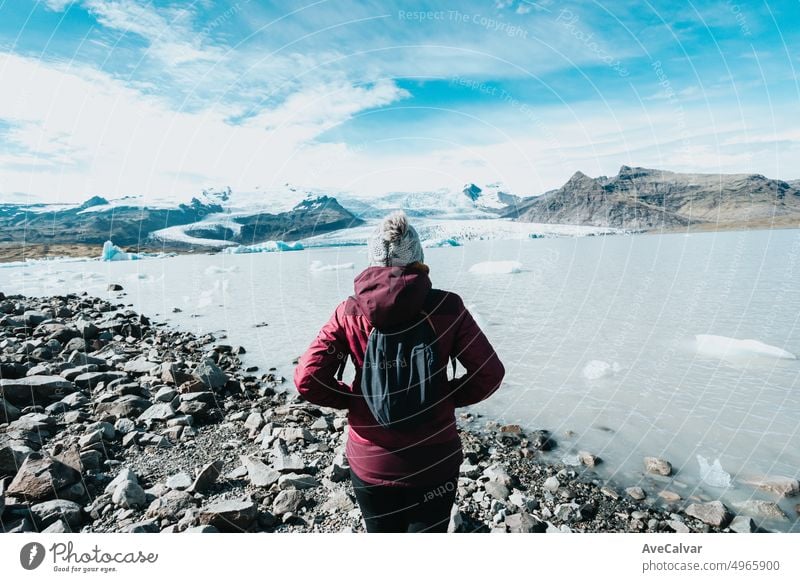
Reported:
(112, 423)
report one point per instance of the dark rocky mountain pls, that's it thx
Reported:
(646, 199)
(125, 225)
(309, 217)
(133, 225)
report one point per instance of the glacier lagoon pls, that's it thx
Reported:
(599, 336)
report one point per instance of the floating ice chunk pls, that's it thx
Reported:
(596, 369)
(496, 268)
(719, 346)
(270, 246)
(112, 252)
(440, 242)
(319, 266)
(713, 475)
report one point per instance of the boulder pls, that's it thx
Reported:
(180, 481)
(35, 390)
(551, 484)
(206, 477)
(41, 477)
(126, 406)
(140, 366)
(781, 486)
(229, 515)
(657, 466)
(8, 412)
(524, 522)
(260, 474)
(172, 505)
(761, 509)
(10, 461)
(158, 411)
(742, 524)
(287, 501)
(210, 375)
(49, 512)
(295, 481)
(713, 513)
(636, 493)
(129, 495)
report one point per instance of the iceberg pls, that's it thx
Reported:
(596, 369)
(719, 346)
(112, 252)
(440, 242)
(496, 268)
(270, 246)
(319, 266)
(713, 475)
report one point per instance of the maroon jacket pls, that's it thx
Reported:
(386, 296)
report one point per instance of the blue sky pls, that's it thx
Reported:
(161, 99)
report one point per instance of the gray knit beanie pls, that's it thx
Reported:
(394, 243)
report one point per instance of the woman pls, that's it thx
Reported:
(405, 479)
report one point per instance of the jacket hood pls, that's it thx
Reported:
(390, 296)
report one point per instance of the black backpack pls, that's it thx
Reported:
(401, 377)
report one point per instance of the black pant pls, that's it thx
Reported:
(388, 508)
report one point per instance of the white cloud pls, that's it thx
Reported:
(88, 133)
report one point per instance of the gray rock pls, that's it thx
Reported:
(140, 366)
(48, 512)
(524, 522)
(10, 461)
(58, 526)
(742, 524)
(76, 344)
(497, 490)
(588, 459)
(287, 501)
(295, 481)
(124, 425)
(171, 505)
(254, 422)
(158, 411)
(90, 380)
(657, 466)
(229, 515)
(338, 503)
(636, 493)
(125, 406)
(166, 394)
(678, 526)
(8, 412)
(207, 476)
(35, 390)
(469, 470)
(292, 434)
(761, 509)
(259, 473)
(179, 481)
(210, 375)
(123, 476)
(782, 486)
(551, 484)
(41, 477)
(713, 513)
(129, 495)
